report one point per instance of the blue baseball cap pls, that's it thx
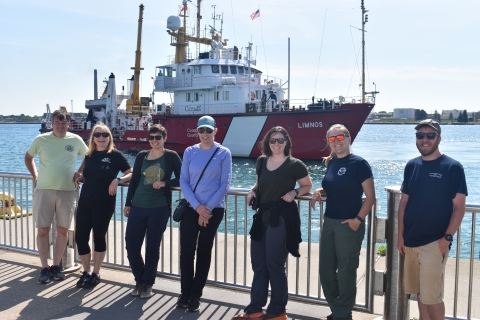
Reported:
(206, 121)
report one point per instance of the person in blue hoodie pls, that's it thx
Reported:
(205, 213)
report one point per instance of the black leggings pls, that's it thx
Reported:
(92, 214)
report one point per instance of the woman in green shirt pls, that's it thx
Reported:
(147, 207)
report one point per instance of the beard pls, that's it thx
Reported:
(426, 152)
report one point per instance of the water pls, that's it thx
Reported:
(386, 147)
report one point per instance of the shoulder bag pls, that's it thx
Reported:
(183, 203)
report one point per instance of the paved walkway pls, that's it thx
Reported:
(21, 297)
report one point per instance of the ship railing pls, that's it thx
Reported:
(231, 265)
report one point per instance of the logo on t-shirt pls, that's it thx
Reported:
(69, 148)
(106, 160)
(435, 175)
(342, 171)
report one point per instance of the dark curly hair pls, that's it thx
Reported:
(157, 128)
(265, 144)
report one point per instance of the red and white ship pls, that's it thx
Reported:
(225, 83)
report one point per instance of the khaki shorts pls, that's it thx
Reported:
(424, 272)
(49, 203)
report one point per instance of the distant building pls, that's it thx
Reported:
(407, 113)
(446, 114)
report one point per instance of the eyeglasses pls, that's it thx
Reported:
(203, 130)
(429, 135)
(160, 137)
(339, 137)
(101, 134)
(279, 140)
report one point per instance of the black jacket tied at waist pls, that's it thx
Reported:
(289, 212)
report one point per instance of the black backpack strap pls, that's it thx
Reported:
(201, 175)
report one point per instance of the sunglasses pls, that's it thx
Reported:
(279, 140)
(339, 137)
(160, 137)
(429, 135)
(203, 130)
(101, 134)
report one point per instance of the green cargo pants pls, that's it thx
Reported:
(339, 259)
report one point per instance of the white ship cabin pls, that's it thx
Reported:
(216, 83)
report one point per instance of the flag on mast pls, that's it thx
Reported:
(255, 15)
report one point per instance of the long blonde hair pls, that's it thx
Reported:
(92, 146)
(342, 128)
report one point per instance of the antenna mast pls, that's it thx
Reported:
(364, 20)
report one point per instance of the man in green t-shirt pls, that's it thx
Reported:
(55, 191)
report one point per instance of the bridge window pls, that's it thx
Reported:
(240, 70)
(224, 69)
(195, 96)
(215, 69)
(197, 70)
(216, 95)
(233, 69)
(188, 96)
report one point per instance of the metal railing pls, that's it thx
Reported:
(231, 255)
(231, 266)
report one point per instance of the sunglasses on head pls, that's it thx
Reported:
(429, 135)
(339, 137)
(101, 134)
(203, 130)
(279, 140)
(160, 137)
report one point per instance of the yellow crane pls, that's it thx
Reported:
(136, 104)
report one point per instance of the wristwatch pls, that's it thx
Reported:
(296, 191)
(119, 180)
(448, 237)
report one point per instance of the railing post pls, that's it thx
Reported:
(396, 305)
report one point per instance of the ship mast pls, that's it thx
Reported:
(134, 102)
(180, 38)
(364, 20)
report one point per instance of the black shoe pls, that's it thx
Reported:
(182, 301)
(194, 304)
(329, 317)
(44, 276)
(84, 277)
(92, 281)
(57, 273)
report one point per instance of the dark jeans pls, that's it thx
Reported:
(193, 238)
(152, 223)
(339, 259)
(269, 256)
(96, 215)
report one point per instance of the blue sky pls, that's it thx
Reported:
(421, 54)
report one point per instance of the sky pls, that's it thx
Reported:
(420, 54)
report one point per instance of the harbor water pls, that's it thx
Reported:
(386, 147)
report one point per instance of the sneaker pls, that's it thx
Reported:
(84, 277)
(194, 304)
(146, 291)
(57, 273)
(182, 301)
(92, 281)
(136, 291)
(329, 317)
(44, 276)
(282, 316)
(250, 316)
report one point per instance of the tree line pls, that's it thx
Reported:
(20, 118)
(462, 117)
